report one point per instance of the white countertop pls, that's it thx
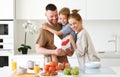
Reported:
(109, 55)
(115, 69)
(6, 71)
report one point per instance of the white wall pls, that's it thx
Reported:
(19, 34)
(100, 31)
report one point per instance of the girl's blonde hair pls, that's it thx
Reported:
(75, 15)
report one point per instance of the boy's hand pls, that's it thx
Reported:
(44, 26)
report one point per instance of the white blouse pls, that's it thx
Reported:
(85, 50)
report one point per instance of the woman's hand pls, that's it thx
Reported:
(69, 52)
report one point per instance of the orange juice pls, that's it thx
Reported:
(14, 65)
(36, 69)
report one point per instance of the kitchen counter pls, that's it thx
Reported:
(109, 54)
(6, 71)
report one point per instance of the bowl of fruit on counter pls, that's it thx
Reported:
(53, 69)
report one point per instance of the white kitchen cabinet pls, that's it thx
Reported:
(89, 9)
(6, 9)
(110, 62)
(73, 4)
(35, 9)
(103, 9)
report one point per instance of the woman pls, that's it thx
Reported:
(85, 50)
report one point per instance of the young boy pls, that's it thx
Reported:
(66, 30)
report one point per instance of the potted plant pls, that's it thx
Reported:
(29, 28)
(24, 48)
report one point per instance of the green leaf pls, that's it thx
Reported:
(24, 46)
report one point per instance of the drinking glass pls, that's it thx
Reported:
(13, 65)
(36, 69)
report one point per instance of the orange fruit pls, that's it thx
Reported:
(52, 63)
(46, 67)
(51, 68)
(58, 68)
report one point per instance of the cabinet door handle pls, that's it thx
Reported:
(1, 40)
(1, 46)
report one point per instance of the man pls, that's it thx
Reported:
(45, 41)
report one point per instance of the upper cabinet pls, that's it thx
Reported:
(103, 9)
(89, 9)
(73, 4)
(35, 9)
(6, 9)
(30, 9)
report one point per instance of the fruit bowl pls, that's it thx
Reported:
(93, 65)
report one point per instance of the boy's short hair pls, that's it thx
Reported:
(65, 11)
(51, 7)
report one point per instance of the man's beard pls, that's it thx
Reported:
(54, 24)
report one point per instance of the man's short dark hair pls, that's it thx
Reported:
(51, 7)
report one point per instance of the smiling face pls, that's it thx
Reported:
(63, 19)
(75, 24)
(52, 16)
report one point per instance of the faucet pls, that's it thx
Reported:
(115, 41)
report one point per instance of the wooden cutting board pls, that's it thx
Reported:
(23, 75)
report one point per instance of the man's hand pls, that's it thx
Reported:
(60, 52)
